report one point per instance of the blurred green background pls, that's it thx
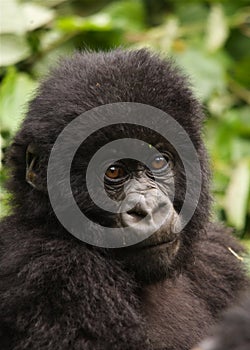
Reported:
(209, 39)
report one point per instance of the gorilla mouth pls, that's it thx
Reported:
(156, 245)
(162, 245)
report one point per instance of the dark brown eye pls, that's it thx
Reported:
(115, 172)
(158, 163)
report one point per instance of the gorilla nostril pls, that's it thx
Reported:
(137, 212)
(162, 205)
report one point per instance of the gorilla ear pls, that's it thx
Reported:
(32, 165)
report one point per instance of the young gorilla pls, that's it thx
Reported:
(60, 293)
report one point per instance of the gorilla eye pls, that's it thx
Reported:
(159, 163)
(115, 172)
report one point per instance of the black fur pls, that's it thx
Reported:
(58, 293)
(233, 331)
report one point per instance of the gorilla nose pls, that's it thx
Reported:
(147, 210)
(137, 213)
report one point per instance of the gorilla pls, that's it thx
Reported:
(232, 333)
(166, 286)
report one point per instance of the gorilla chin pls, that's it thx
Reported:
(150, 260)
(150, 263)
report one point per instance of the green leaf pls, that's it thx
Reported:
(75, 23)
(191, 14)
(238, 120)
(217, 28)
(246, 243)
(239, 71)
(119, 15)
(240, 148)
(11, 21)
(207, 72)
(127, 14)
(236, 199)
(36, 16)
(15, 90)
(49, 3)
(18, 18)
(13, 49)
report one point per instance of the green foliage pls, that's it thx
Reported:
(15, 92)
(209, 39)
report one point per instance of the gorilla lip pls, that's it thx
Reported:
(160, 245)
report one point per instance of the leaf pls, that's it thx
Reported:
(240, 148)
(36, 16)
(194, 13)
(246, 243)
(11, 21)
(119, 15)
(18, 18)
(238, 120)
(15, 90)
(207, 72)
(75, 23)
(220, 103)
(236, 199)
(239, 71)
(127, 14)
(13, 49)
(217, 28)
(49, 3)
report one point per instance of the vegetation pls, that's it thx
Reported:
(209, 39)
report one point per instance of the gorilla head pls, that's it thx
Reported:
(147, 192)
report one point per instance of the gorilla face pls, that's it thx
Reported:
(148, 194)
